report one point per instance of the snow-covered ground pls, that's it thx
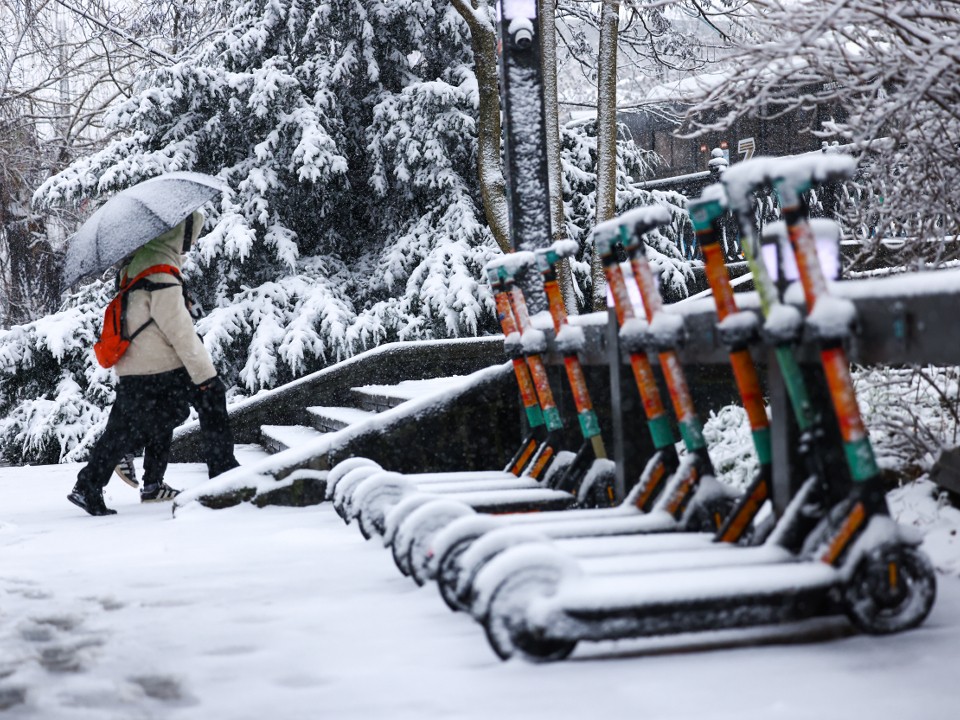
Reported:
(286, 613)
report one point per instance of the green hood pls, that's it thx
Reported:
(164, 249)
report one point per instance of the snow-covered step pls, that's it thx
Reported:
(331, 419)
(378, 398)
(277, 438)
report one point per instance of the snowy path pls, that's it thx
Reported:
(287, 613)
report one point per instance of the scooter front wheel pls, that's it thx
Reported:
(892, 589)
(709, 516)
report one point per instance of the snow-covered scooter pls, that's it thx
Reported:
(538, 603)
(699, 507)
(621, 554)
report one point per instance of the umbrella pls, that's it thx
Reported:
(134, 217)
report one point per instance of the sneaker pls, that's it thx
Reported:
(127, 472)
(89, 500)
(157, 492)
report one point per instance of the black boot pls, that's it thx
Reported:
(89, 499)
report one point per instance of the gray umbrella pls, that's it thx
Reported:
(134, 217)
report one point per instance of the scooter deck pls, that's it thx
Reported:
(717, 553)
(588, 515)
(655, 521)
(433, 478)
(613, 607)
(591, 547)
(580, 515)
(638, 594)
(510, 482)
(518, 500)
(623, 520)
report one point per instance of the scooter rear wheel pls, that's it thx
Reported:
(366, 528)
(418, 556)
(346, 486)
(505, 623)
(891, 590)
(448, 572)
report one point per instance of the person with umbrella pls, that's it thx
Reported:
(165, 367)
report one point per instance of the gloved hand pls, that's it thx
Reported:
(211, 394)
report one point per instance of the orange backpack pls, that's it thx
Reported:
(113, 341)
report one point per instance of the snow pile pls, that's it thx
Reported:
(410, 389)
(832, 318)
(565, 248)
(665, 331)
(647, 217)
(798, 171)
(633, 335)
(516, 263)
(600, 477)
(534, 341)
(784, 323)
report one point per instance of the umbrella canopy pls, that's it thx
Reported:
(132, 218)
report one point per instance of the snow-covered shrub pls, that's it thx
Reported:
(727, 432)
(911, 414)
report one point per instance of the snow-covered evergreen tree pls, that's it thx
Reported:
(578, 159)
(344, 131)
(52, 392)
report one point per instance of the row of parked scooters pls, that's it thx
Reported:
(545, 554)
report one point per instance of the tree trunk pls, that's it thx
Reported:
(548, 52)
(493, 188)
(606, 134)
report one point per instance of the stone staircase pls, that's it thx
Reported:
(428, 407)
(369, 401)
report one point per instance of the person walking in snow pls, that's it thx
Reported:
(164, 370)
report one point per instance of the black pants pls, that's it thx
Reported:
(211, 405)
(147, 409)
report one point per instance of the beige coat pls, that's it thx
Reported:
(170, 341)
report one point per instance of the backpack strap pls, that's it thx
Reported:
(127, 285)
(140, 282)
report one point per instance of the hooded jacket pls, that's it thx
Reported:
(170, 341)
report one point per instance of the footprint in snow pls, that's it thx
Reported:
(61, 645)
